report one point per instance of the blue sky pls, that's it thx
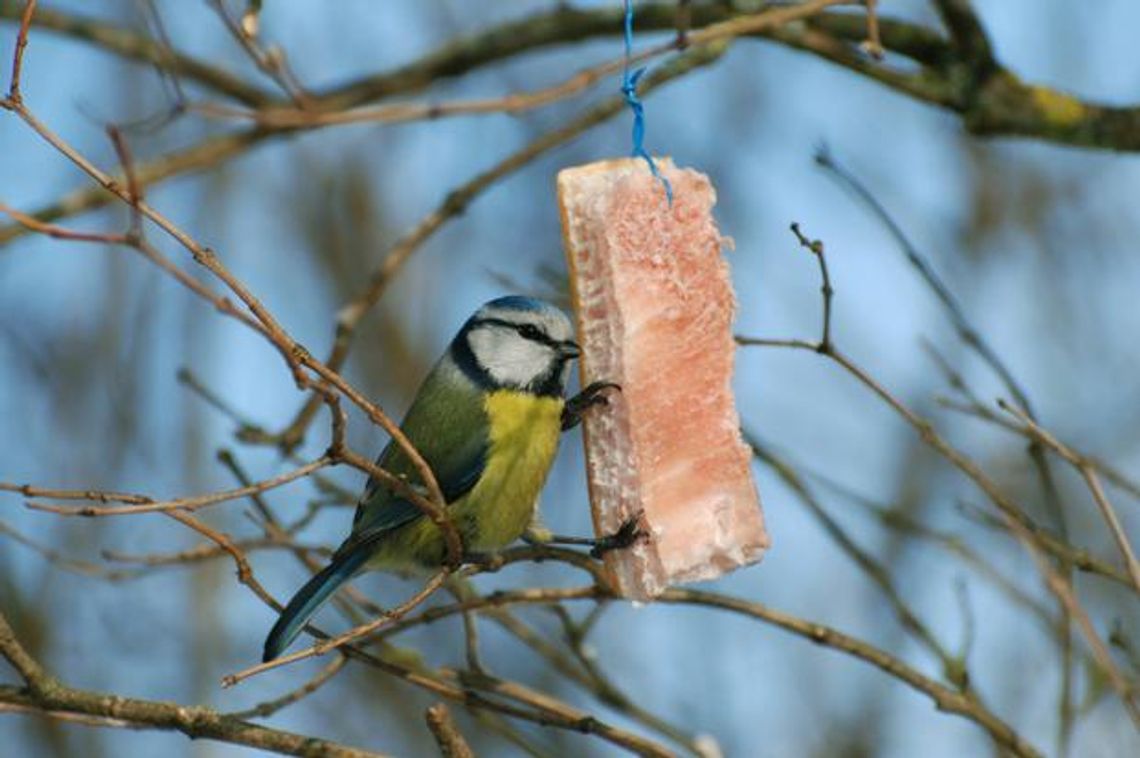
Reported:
(92, 339)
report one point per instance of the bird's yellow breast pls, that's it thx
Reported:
(524, 431)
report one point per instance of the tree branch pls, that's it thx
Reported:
(447, 735)
(1012, 516)
(44, 695)
(1002, 105)
(131, 45)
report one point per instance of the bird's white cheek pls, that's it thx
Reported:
(509, 359)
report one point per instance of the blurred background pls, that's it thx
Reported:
(1037, 241)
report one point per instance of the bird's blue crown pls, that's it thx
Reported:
(517, 303)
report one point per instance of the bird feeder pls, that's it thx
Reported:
(654, 307)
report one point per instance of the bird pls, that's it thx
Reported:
(487, 420)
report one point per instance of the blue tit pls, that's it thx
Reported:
(487, 421)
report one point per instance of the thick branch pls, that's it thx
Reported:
(967, 34)
(944, 698)
(447, 735)
(1000, 105)
(45, 695)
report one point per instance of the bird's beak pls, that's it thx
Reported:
(569, 349)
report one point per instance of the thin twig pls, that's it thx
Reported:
(269, 707)
(244, 570)
(296, 356)
(766, 19)
(1088, 473)
(395, 113)
(873, 45)
(815, 247)
(58, 232)
(946, 698)
(272, 62)
(97, 496)
(128, 44)
(134, 189)
(1014, 517)
(952, 666)
(352, 313)
(957, 314)
(15, 97)
(149, 505)
(65, 562)
(205, 551)
(320, 648)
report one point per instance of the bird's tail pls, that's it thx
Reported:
(311, 597)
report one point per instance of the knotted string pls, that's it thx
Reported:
(629, 80)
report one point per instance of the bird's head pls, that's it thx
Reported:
(519, 343)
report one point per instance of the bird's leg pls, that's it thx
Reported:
(489, 562)
(628, 534)
(537, 533)
(590, 396)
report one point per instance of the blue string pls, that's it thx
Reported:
(629, 80)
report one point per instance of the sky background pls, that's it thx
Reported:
(1037, 241)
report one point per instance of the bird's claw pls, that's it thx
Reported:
(593, 394)
(628, 534)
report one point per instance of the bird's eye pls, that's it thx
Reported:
(530, 332)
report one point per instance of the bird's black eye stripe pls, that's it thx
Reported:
(526, 331)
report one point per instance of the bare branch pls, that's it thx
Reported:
(44, 694)
(968, 35)
(269, 707)
(1013, 517)
(456, 202)
(97, 496)
(953, 667)
(944, 698)
(65, 562)
(143, 504)
(447, 735)
(272, 62)
(1088, 472)
(815, 247)
(15, 97)
(58, 232)
(1010, 108)
(873, 45)
(130, 45)
(969, 335)
(320, 648)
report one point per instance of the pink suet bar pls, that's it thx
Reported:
(654, 306)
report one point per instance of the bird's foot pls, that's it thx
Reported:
(537, 535)
(576, 407)
(628, 534)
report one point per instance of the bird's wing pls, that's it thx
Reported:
(448, 425)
